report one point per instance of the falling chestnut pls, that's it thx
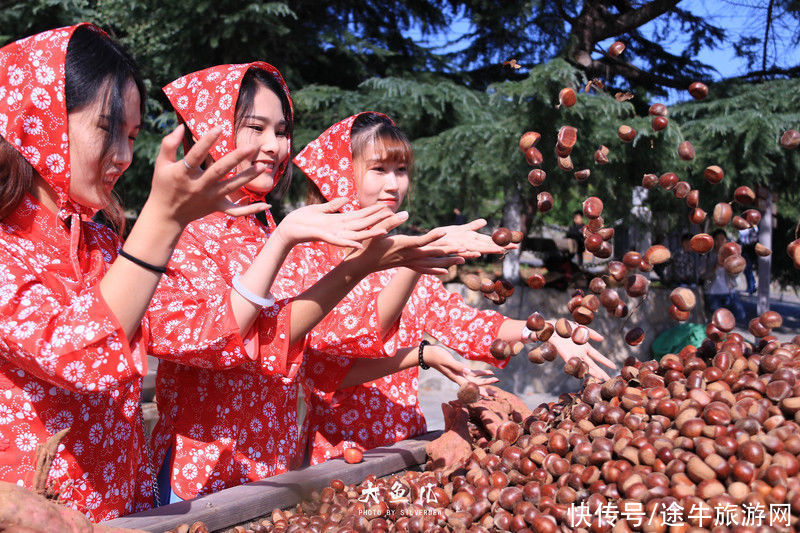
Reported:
(616, 48)
(713, 174)
(626, 133)
(544, 202)
(702, 243)
(660, 123)
(668, 180)
(529, 139)
(583, 174)
(468, 393)
(722, 214)
(698, 90)
(686, 151)
(636, 285)
(567, 137)
(536, 281)
(592, 207)
(501, 236)
(536, 177)
(790, 139)
(567, 97)
(533, 156)
(657, 254)
(683, 299)
(744, 195)
(658, 110)
(634, 337)
(500, 349)
(649, 181)
(601, 155)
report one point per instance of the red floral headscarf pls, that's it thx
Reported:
(207, 98)
(33, 108)
(328, 162)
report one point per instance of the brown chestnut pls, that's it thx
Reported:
(567, 97)
(698, 90)
(529, 139)
(626, 133)
(686, 151)
(713, 174)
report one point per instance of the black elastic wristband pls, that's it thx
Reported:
(422, 363)
(143, 264)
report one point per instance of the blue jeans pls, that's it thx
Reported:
(164, 486)
(729, 301)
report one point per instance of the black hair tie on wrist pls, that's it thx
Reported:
(143, 264)
(422, 363)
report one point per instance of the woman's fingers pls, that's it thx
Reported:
(600, 358)
(433, 235)
(169, 145)
(195, 157)
(444, 249)
(216, 173)
(333, 206)
(428, 270)
(244, 210)
(595, 336)
(476, 224)
(595, 370)
(365, 220)
(391, 222)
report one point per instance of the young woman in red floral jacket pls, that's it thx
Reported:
(230, 403)
(72, 297)
(367, 159)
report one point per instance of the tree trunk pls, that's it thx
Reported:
(640, 221)
(765, 263)
(512, 219)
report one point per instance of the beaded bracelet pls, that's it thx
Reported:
(422, 363)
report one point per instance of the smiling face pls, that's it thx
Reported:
(266, 127)
(380, 179)
(96, 165)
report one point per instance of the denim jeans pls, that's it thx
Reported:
(164, 486)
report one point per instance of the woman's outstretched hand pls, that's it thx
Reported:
(442, 360)
(419, 253)
(475, 244)
(587, 353)
(183, 191)
(323, 222)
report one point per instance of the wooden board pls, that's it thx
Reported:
(239, 504)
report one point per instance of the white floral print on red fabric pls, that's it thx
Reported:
(346, 417)
(227, 405)
(64, 359)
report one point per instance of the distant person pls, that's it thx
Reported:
(748, 239)
(719, 285)
(575, 232)
(458, 217)
(684, 268)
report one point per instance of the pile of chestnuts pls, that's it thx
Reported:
(712, 427)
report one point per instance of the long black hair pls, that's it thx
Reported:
(95, 63)
(253, 78)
